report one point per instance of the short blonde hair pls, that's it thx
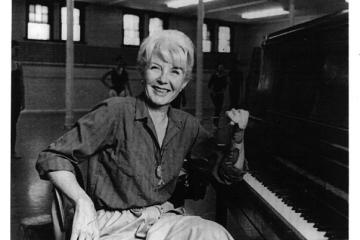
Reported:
(172, 45)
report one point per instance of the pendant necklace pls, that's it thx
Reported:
(158, 169)
(158, 174)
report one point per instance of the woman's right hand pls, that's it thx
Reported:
(85, 225)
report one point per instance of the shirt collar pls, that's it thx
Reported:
(142, 113)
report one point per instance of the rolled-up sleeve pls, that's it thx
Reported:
(92, 132)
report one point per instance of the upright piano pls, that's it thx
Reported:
(297, 138)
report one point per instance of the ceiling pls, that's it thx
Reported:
(229, 10)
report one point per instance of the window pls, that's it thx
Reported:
(38, 24)
(155, 24)
(206, 45)
(224, 39)
(131, 29)
(76, 24)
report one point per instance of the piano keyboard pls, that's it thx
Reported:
(305, 230)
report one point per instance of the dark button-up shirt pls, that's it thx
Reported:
(118, 143)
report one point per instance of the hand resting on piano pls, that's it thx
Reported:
(231, 167)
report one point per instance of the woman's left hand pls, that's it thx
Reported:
(230, 168)
(238, 116)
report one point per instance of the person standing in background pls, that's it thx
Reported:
(217, 85)
(17, 94)
(236, 85)
(117, 80)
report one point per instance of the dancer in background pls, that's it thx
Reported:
(217, 85)
(117, 80)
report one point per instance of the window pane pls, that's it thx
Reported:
(206, 39)
(127, 22)
(204, 31)
(63, 31)
(32, 17)
(206, 46)
(32, 8)
(76, 16)
(38, 8)
(76, 33)
(44, 18)
(131, 21)
(131, 37)
(37, 16)
(63, 15)
(155, 24)
(38, 31)
(136, 22)
(44, 9)
(224, 46)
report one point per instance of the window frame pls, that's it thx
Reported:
(148, 25)
(81, 7)
(50, 19)
(141, 27)
(163, 17)
(211, 27)
(224, 24)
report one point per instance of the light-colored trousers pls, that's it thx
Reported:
(160, 222)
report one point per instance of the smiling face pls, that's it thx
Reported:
(164, 80)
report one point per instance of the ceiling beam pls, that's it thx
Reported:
(235, 6)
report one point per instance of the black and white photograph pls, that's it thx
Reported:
(179, 120)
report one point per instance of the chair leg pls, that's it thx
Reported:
(58, 234)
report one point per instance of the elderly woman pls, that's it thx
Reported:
(140, 144)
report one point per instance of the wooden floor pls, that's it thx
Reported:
(30, 196)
